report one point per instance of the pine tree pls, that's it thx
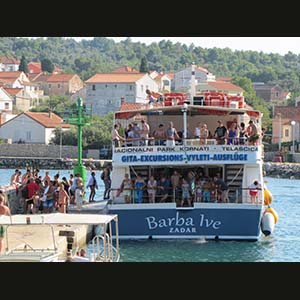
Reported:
(47, 65)
(23, 65)
(144, 65)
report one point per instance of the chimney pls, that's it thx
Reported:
(122, 100)
(50, 114)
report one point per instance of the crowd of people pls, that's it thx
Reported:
(141, 135)
(44, 194)
(183, 189)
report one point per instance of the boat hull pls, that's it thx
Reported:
(204, 220)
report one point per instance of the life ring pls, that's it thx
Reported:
(273, 212)
(267, 197)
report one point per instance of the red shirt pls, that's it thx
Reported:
(32, 188)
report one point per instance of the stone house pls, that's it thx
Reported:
(36, 68)
(62, 84)
(32, 127)
(104, 91)
(220, 86)
(271, 93)
(6, 101)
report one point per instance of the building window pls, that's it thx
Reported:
(106, 85)
(130, 87)
(109, 101)
(58, 85)
(6, 105)
(286, 133)
(94, 87)
(116, 85)
(49, 85)
(147, 87)
(277, 94)
(28, 135)
(142, 88)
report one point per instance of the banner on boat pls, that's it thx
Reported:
(186, 154)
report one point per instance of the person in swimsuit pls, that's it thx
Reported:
(4, 210)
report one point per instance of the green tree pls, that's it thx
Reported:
(47, 65)
(144, 65)
(23, 65)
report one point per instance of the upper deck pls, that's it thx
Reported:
(187, 149)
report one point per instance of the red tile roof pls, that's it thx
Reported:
(288, 112)
(221, 85)
(115, 78)
(136, 106)
(227, 79)
(14, 74)
(202, 69)
(125, 69)
(60, 77)
(39, 77)
(13, 91)
(9, 60)
(46, 121)
(36, 67)
(28, 83)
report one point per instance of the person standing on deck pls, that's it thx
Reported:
(175, 180)
(139, 187)
(221, 133)
(4, 210)
(93, 185)
(151, 188)
(172, 135)
(62, 199)
(145, 129)
(105, 176)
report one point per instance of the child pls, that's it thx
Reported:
(79, 192)
(36, 202)
(253, 191)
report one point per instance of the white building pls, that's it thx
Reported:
(182, 78)
(105, 90)
(6, 101)
(32, 127)
(8, 64)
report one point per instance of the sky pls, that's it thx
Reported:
(281, 45)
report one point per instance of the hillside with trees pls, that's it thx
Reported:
(101, 54)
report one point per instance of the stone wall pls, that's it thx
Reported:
(37, 150)
(49, 163)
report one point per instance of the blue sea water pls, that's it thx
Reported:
(282, 246)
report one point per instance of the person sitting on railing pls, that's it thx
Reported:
(221, 133)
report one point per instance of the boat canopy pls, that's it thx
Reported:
(58, 219)
(191, 109)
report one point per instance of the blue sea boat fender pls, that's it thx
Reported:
(267, 197)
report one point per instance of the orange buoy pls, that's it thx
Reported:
(267, 197)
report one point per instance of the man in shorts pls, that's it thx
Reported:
(4, 210)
